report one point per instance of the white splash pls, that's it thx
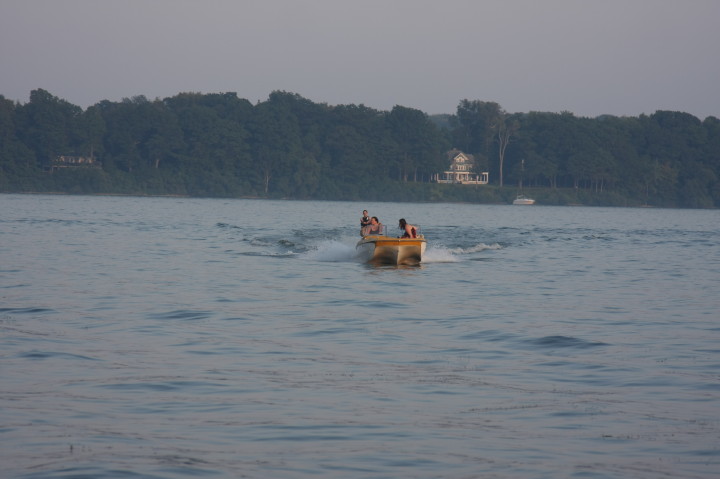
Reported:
(331, 251)
(439, 254)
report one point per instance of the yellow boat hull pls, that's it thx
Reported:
(388, 250)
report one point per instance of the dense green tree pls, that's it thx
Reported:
(49, 126)
(289, 146)
(476, 128)
(419, 145)
(357, 152)
(16, 159)
(276, 141)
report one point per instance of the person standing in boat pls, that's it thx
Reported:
(364, 222)
(409, 231)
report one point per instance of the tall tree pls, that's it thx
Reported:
(505, 127)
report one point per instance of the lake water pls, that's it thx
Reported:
(173, 337)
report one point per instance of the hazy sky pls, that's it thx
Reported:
(590, 57)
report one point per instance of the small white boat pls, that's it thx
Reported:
(382, 249)
(523, 200)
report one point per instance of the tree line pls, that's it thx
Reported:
(220, 145)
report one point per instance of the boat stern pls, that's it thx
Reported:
(387, 250)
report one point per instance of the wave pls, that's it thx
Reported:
(331, 251)
(475, 249)
(564, 342)
(182, 314)
(439, 254)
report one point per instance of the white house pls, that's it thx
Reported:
(66, 161)
(460, 171)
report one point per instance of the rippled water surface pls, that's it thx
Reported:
(168, 337)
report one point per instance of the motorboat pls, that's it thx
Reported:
(383, 249)
(523, 200)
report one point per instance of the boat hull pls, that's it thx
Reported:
(388, 250)
(523, 200)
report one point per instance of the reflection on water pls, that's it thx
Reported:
(156, 337)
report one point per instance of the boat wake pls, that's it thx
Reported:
(334, 246)
(442, 254)
(439, 254)
(475, 249)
